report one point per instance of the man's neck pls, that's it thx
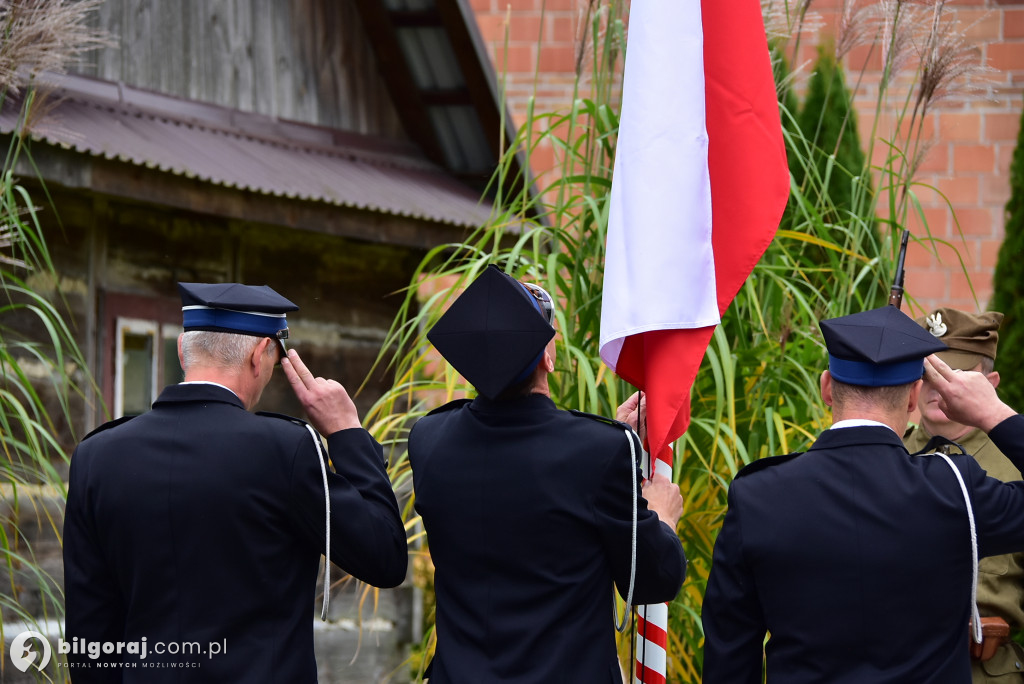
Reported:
(898, 425)
(219, 377)
(951, 431)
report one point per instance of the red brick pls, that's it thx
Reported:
(1004, 157)
(995, 190)
(979, 26)
(479, 6)
(988, 252)
(957, 126)
(1000, 126)
(561, 29)
(922, 284)
(862, 58)
(976, 221)
(936, 160)
(960, 191)
(492, 27)
(938, 225)
(563, 5)
(525, 28)
(518, 5)
(1013, 23)
(960, 286)
(981, 158)
(557, 58)
(1006, 56)
(515, 58)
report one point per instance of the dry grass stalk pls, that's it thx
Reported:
(43, 36)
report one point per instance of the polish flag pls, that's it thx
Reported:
(698, 189)
(699, 186)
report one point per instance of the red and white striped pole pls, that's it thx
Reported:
(652, 620)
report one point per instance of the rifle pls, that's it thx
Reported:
(896, 291)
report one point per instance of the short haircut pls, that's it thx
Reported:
(987, 365)
(890, 398)
(219, 349)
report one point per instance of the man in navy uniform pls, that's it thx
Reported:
(856, 556)
(528, 509)
(202, 523)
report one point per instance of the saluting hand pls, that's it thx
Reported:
(966, 397)
(327, 404)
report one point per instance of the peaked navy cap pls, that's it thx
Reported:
(877, 348)
(493, 334)
(234, 308)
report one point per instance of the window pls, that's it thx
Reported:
(138, 350)
(146, 359)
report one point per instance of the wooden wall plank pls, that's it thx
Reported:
(305, 60)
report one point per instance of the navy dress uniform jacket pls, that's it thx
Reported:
(856, 557)
(528, 513)
(201, 522)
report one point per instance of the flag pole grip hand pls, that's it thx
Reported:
(633, 412)
(664, 498)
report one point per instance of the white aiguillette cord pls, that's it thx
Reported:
(975, 616)
(327, 523)
(620, 627)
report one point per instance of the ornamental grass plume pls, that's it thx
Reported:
(43, 36)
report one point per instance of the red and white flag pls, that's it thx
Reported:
(699, 186)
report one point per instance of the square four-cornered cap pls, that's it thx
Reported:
(877, 348)
(493, 334)
(235, 308)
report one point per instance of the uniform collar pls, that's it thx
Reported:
(526, 404)
(198, 391)
(858, 422)
(867, 435)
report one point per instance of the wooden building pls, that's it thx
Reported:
(317, 146)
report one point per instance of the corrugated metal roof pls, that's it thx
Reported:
(248, 151)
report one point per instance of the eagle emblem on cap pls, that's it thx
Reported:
(935, 325)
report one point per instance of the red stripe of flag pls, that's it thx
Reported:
(749, 189)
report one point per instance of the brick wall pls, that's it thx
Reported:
(972, 136)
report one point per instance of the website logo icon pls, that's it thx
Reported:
(24, 653)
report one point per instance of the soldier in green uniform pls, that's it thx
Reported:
(972, 341)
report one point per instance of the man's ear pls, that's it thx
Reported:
(993, 377)
(826, 388)
(256, 358)
(181, 356)
(549, 363)
(915, 394)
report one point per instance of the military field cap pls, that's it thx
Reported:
(968, 336)
(234, 308)
(877, 348)
(494, 334)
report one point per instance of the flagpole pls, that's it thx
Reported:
(651, 666)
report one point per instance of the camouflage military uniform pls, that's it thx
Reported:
(1000, 578)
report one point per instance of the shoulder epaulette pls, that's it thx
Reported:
(762, 463)
(601, 419)
(946, 446)
(109, 424)
(449, 406)
(283, 416)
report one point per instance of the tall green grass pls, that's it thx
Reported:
(757, 392)
(41, 366)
